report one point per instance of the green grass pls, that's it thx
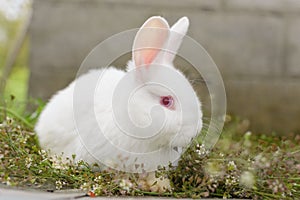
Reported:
(241, 165)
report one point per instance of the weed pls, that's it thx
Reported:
(241, 165)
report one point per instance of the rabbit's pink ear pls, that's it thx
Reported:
(150, 40)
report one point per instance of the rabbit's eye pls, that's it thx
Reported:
(167, 101)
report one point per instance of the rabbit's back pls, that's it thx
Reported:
(57, 126)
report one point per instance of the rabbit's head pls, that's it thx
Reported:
(163, 103)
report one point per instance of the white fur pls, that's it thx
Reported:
(61, 129)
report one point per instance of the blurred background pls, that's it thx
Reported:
(255, 44)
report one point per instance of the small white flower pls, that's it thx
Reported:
(98, 179)
(59, 184)
(231, 165)
(248, 134)
(96, 188)
(43, 153)
(125, 185)
(28, 162)
(201, 151)
(84, 186)
(231, 180)
(8, 183)
(58, 163)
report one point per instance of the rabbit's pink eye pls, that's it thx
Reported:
(167, 101)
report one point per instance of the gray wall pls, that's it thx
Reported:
(255, 44)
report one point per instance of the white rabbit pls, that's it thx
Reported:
(85, 118)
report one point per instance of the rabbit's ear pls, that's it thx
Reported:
(150, 40)
(178, 31)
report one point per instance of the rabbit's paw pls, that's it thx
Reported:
(150, 182)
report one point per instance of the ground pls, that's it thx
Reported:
(241, 165)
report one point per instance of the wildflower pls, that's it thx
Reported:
(231, 180)
(200, 150)
(85, 186)
(247, 135)
(80, 162)
(59, 184)
(247, 141)
(247, 179)
(125, 185)
(97, 189)
(42, 153)
(98, 179)
(9, 121)
(231, 166)
(28, 162)
(24, 139)
(58, 163)
(8, 183)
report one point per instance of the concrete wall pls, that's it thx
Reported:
(255, 44)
